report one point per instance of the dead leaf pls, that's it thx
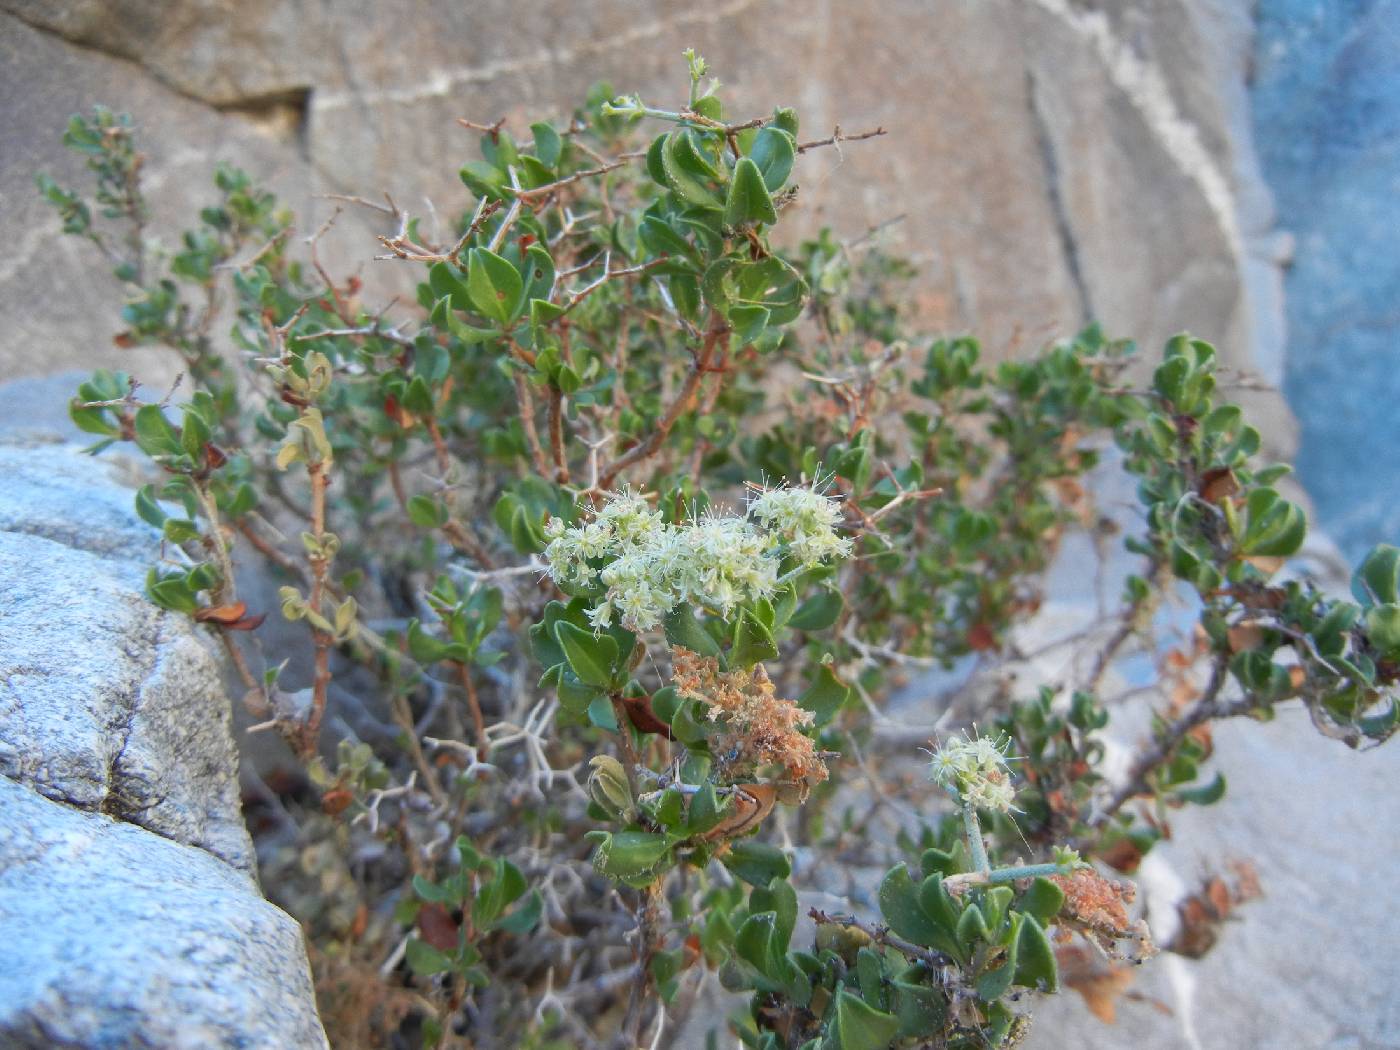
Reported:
(640, 714)
(336, 801)
(752, 802)
(222, 614)
(1099, 982)
(1244, 637)
(437, 927)
(1218, 485)
(980, 638)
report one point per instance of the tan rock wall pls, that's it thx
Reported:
(1053, 160)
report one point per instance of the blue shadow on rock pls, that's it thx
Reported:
(1327, 124)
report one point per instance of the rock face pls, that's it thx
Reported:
(128, 892)
(1327, 121)
(1053, 161)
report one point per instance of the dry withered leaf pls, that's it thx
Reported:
(752, 803)
(1122, 856)
(437, 927)
(360, 923)
(222, 614)
(1218, 484)
(643, 718)
(1203, 913)
(980, 638)
(1245, 636)
(1099, 981)
(336, 800)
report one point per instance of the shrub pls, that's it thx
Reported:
(630, 530)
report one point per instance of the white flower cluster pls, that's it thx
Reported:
(650, 567)
(977, 770)
(805, 519)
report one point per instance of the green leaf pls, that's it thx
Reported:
(661, 238)
(423, 646)
(444, 315)
(825, 696)
(1276, 527)
(418, 398)
(425, 960)
(591, 657)
(748, 200)
(548, 144)
(431, 891)
(524, 918)
(870, 976)
(773, 152)
(757, 863)
(426, 512)
(1035, 959)
(993, 984)
(753, 643)
(539, 273)
(748, 322)
(818, 612)
(684, 629)
(147, 509)
(628, 854)
(754, 943)
(194, 434)
(919, 1008)
(656, 165)
(706, 809)
(901, 909)
(856, 1025)
(939, 905)
(1377, 579)
(154, 434)
(543, 313)
(494, 286)
(780, 898)
(1205, 794)
(445, 282)
(972, 928)
(601, 714)
(1042, 900)
(687, 173)
(1383, 627)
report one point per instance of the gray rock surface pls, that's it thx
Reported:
(118, 938)
(128, 892)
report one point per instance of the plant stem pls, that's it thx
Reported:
(958, 883)
(526, 405)
(1207, 708)
(717, 330)
(473, 705)
(321, 681)
(973, 829)
(882, 935)
(556, 436)
(228, 590)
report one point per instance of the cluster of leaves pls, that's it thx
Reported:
(610, 313)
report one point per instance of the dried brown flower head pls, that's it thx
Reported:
(763, 727)
(1097, 908)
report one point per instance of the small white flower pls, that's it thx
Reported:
(721, 561)
(806, 519)
(976, 770)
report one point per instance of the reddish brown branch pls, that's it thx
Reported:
(652, 442)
